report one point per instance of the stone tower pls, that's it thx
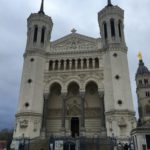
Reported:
(30, 108)
(143, 92)
(119, 109)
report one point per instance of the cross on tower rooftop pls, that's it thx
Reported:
(73, 30)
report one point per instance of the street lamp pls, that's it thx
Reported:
(114, 140)
(24, 143)
(131, 144)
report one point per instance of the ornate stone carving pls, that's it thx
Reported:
(73, 42)
(122, 122)
(24, 123)
(36, 123)
(73, 109)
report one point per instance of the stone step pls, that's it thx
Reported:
(86, 144)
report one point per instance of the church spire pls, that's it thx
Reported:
(42, 8)
(109, 3)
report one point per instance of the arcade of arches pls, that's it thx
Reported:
(74, 112)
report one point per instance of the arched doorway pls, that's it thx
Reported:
(74, 108)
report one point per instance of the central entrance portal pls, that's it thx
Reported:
(75, 127)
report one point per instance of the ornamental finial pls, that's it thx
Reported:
(140, 56)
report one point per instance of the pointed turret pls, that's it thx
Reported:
(42, 8)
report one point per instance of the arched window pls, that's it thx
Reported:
(105, 30)
(112, 25)
(84, 63)
(55, 89)
(56, 65)
(96, 63)
(62, 64)
(35, 34)
(67, 64)
(73, 89)
(50, 65)
(79, 64)
(43, 35)
(119, 28)
(92, 88)
(73, 64)
(90, 63)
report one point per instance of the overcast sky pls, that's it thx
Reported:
(66, 14)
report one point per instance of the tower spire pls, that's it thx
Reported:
(42, 8)
(109, 3)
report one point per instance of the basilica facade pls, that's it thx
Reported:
(76, 85)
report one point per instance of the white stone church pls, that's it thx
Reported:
(76, 86)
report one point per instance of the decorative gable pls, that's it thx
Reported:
(74, 42)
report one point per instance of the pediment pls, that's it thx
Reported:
(73, 42)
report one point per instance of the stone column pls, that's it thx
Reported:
(93, 63)
(82, 114)
(65, 64)
(101, 97)
(117, 31)
(87, 63)
(99, 61)
(45, 109)
(53, 67)
(63, 111)
(59, 64)
(70, 64)
(76, 64)
(81, 63)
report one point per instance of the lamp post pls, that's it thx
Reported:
(119, 146)
(114, 140)
(131, 144)
(24, 143)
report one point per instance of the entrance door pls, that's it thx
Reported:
(75, 126)
(69, 146)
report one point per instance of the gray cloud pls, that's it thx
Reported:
(66, 14)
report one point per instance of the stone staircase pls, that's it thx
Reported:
(85, 144)
(39, 144)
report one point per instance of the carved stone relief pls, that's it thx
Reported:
(36, 125)
(73, 107)
(122, 122)
(73, 43)
(24, 123)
